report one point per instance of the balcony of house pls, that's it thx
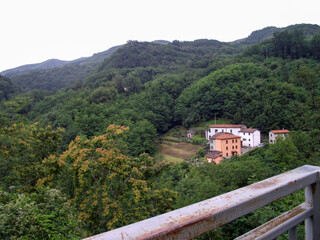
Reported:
(196, 219)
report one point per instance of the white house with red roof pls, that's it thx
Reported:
(273, 134)
(229, 128)
(250, 137)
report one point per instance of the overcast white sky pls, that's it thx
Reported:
(33, 31)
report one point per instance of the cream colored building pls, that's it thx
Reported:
(273, 134)
(250, 137)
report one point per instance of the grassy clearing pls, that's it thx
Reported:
(170, 138)
(170, 143)
(172, 159)
(179, 150)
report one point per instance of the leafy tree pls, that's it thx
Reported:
(315, 47)
(103, 94)
(22, 149)
(109, 188)
(19, 105)
(286, 154)
(7, 88)
(44, 214)
(141, 137)
(132, 83)
(310, 78)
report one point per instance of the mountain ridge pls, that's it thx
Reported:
(53, 63)
(254, 37)
(57, 74)
(308, 30)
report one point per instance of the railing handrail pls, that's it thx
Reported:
(201, 217)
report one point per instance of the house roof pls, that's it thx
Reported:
(226, 126)
(280, 131)
(191, 131)
(248, 130)
(224, 135)
(213, 154)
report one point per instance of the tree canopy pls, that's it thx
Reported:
(86, 154)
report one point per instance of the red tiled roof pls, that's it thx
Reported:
(226, 126)
(280, 131)
(224, 135)
(248, 130)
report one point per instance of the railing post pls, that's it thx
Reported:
(293, 234)
(312, 195)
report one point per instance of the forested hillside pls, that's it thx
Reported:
(55, 74)
(93, 141)
(7, 88)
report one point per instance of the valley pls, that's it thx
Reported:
(98, 143)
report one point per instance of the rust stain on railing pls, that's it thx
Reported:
(270, 226)
(198, 218)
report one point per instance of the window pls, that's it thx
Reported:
(227, 141)
(236, 140)
(227, 154)
(216, 130)
(236, 146)
(232, 147)
(222, 130)
(226, 148)
(209, 130)
(244, 134)
(249, 139)
(232, 141)
(249, 134)
(211, 147)
(230, 130)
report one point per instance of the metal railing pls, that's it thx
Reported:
(201, 217)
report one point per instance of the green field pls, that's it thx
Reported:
(177, 152)
(180, 151)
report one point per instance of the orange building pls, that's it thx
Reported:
(214, 157)
(226, 143)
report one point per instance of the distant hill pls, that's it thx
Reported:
(51, 63)
(161, 41)
(309, 30)
(57, 74)
(54, 63)
(152, 54)
(54, 73)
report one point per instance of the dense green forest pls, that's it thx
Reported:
(77, 157)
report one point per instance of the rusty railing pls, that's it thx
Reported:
(201, 217)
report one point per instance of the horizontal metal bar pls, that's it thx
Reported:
(193, 220)
(280, 224)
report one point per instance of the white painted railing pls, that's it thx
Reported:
(201, 217)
